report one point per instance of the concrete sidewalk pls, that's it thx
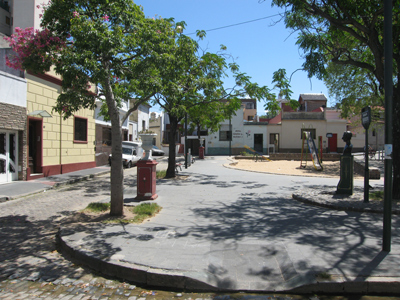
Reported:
(230, 230)
(17, 189)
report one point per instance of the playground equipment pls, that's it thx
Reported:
(257, 155)
(313, 152)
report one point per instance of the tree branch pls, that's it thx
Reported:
(135, 107)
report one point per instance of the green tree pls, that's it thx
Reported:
(348, 33)
(210, 115)
(110, 44)
(191, 80)
(353, 89)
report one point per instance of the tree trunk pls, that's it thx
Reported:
(396, 144)
(117, 175)
(198, 131)
(172, 147)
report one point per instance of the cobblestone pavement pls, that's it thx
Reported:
(32, 268)
(30, 265)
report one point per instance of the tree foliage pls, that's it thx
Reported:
(192, 82)
(109, 44)
(348, 33)
(353, 89)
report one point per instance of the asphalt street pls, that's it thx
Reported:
(247, 207)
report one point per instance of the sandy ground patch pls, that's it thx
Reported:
(289, 167)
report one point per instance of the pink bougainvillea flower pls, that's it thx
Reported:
(28, 43)
(106, 18)
(75, 14)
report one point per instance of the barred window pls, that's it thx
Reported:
(312, 131)
(80, 129)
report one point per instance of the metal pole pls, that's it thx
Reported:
(230, 137)
(186, 150)
(388, 54)
(366, 169)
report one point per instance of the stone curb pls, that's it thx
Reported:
(341, 208)
(147, 276)
(82, 178)
(193, 281)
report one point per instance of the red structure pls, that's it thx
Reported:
(201, 153)
(146, 175)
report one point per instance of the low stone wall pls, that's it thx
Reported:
(297, 156)
(374, 173)
(294, 156)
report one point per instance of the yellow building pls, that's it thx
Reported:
(56, 146)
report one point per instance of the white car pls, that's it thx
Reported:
(131, 153)
(156, 151)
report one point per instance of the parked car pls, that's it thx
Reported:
(156, 151)
(131, 153)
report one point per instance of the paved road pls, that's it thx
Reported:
(30, 266)
(237, 230)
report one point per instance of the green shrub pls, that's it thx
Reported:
(98, 207)
(144, 211)
(161, 174)
(376, 195)
(244, 153)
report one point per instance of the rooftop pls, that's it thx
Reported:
(312, 97)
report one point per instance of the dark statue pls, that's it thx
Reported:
(347, 135)
(345, 185)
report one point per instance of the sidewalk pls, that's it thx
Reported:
(230, 230)
(19, 189)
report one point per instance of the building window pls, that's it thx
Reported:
(204, 132)
(225, 133)
(106, 137)
(250, 118)
(311, 130)
(373, 132)
(143, 125)
(8, 21)
(249, 106)
(80, 129)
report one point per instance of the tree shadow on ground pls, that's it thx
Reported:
(29, 249)
(347, 240)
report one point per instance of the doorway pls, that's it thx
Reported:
(258, 142)
(274, 142)
(35, 145)
(194, 145)
(332, 143)
(8, 156)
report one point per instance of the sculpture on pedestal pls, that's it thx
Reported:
(345, 185)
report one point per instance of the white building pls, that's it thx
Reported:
(13, 91)
(235, 134)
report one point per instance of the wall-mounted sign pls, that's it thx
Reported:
(237, 134)
(329, 135)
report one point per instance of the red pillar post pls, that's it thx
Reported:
(146, 176)
(201, 153)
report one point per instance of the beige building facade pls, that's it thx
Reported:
(56, 146)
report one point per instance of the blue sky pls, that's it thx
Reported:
(259, 47)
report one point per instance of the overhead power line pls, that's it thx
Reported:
(237, 24)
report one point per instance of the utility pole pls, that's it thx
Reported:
(388, 55)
